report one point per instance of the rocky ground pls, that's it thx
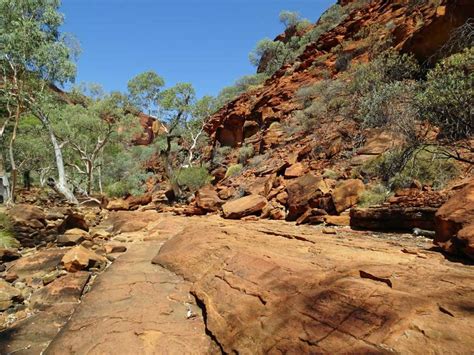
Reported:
(212, 285)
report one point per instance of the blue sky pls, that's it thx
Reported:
(205, 42)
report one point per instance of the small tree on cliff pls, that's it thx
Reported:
(33, 54)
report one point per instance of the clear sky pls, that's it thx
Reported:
(205, 42)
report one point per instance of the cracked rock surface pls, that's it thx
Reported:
(204, 285)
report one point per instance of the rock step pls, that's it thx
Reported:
(135, 307)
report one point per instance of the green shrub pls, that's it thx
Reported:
(399, 168)
(245, 153)
(388, 67)
(130, 185)
(258, 160)
(375, 195)
(389, 104)
(241, 85)
(234, 170)
(448, 98)
(7, 235)
(326, 98)
(331, 174)
(193, 178)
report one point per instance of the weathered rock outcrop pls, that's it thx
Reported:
(421, 32)
(355, 294)
(455, 223)
(393, 218)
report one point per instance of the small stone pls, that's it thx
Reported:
(115, 248)
(72, 237)
(48, 278)
(329, 231)
(87, 244)
(8, 295)
(80, 258)
(11, 277)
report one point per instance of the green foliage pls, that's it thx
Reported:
(274, 53)
(326, 98)
(399, 168)
(30, 40)
(448, 96)
(386, 68)
(247, 82)
(289, 18)
(234, 170)
(124, 172)
(330, 174)
(245, 153)
(145, 90)
(7, 236)
(375, 195)
(379, 93)
(389, 104)
(193, 178)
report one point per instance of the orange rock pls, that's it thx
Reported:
(344, 220)
(302, 192)
(118, 205)
(208, 199)
(347, 194)
(80, 258)
(295, 170)
(455, 223)
(244, 206)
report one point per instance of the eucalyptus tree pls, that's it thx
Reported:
(34, 55)
(144, 91)
(175, 107)
(85, 130)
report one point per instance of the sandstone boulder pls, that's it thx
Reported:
(302, 193)
(38, 264)
(261, 186)
(347, 194)
(66, 289)
(80, 258)
(136, 201)
(8, 295)
(208, 199)
(295, 170)
(74, 220)
(227, 192)
(244, 206)
(118, 205)
(23, 213)
(343, 220)
(72, 237)
(455, 223)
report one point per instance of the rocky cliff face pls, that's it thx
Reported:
(417, 27)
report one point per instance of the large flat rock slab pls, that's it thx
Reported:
(270, 287)
(135, 307)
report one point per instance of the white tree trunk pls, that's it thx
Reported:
(61, 184)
